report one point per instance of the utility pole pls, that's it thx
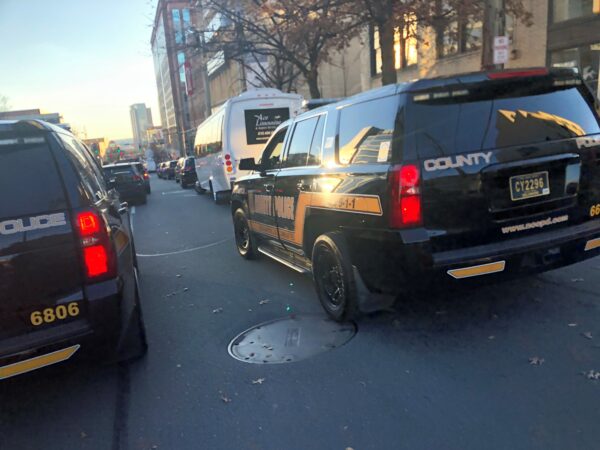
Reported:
(494, 21)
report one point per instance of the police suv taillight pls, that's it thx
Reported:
(98, 254)
(405, 196)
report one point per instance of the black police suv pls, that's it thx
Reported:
(128, 180)
(68, 279)
(479, 176)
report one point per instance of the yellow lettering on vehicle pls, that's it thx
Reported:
(286, 208)
(49, 315)
(595, 210)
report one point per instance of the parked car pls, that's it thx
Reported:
(187, 172)
(239, 129)
(144, 171)
(68, 275)
(169, 173)
(127, 180)
(450, 180)
(178, 169)
(160, 170)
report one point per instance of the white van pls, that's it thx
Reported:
(238, 129)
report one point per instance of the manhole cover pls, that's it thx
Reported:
(290, 339)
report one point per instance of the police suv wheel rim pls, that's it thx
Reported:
(242, 234)
(331, 278)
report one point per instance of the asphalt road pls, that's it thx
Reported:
(445, 371)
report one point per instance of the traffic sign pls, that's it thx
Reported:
(501, 49)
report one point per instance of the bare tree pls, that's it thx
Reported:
(452, 18)
(295, 36)
(387, 16)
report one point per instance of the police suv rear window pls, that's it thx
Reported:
(29, 180)
(466, 123)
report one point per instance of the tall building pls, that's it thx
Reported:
(177, 67)
(141, 120)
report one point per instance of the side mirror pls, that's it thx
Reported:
(248, 164)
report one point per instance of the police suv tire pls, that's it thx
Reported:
(135, 342)
(244, 239)
(144, 199)
(332, 273)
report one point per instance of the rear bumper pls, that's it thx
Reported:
(96, 334)
(189, 177)
(133, 193)
(389, 264)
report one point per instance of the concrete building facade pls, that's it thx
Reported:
(562, 33)
(177, 66)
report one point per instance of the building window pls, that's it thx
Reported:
(584, 59)
(181, 64)
(464, 35)
(185, 14)
(572, 9)
(405, 45)
(460, 36)
(177, 26)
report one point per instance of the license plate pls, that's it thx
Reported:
(529, 186)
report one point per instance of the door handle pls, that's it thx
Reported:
(303, 186)
(269, 187)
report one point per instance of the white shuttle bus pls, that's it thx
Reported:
(238, 129)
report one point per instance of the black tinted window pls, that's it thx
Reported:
(297, 154)
(29, 181)
(90, 180)
(366, 131)
(272, 153)
(460, 127)
(121, 174)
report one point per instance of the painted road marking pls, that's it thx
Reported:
(187, 250)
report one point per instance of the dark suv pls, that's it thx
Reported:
(169, 172)
(128, 180)
(145, 175)
(68, 280)
(186, 172)
(481, 176)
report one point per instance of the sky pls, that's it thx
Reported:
(85, 59)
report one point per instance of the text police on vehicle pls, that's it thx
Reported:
(478, 175)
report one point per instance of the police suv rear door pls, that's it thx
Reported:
(504, 155)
